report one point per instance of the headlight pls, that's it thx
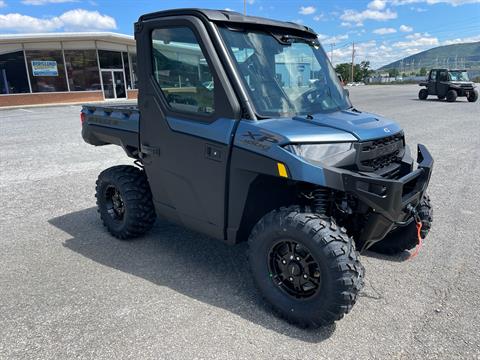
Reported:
(318, 152)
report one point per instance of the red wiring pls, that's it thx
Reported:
(419, 244)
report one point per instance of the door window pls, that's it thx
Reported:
(433, 75)
(442, 76)
(182, 71)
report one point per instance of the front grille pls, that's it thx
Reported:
(382, 156)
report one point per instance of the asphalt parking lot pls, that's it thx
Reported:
(69, 290)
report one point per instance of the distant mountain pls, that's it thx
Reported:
(461, 56)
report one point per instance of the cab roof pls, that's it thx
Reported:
(230, 17)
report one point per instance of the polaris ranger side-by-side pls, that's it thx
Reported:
(244, 132)
(448, 84)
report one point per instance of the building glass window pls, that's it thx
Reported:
(13, 76)
(46, 69)
(110, 59)
(82, 69)
(133, 61)
(181, 70)
(127, 69)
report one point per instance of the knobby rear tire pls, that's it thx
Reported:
(139, 213)
(451, 95)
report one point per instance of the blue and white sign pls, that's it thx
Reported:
(44, 68)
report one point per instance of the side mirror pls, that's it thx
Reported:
(346, 92)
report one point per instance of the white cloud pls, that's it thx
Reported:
(44, 2)
(462, 40)
(377, 4)
(417, 9)
(307, 10)
(357, 17)
(73, 20)
(319, 17)
(332, 39)
(433, 2)
(251, 2)
(385, 52)
(417, 40)
(80, 19)
(384, 31)
(417, 35)
(405, 28)
(2, 3)
(24, 23)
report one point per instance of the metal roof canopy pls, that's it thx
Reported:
(67, 36)
(232, 18)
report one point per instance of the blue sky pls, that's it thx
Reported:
(383, 30)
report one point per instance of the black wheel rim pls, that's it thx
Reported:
(293, 269)
(114, 203)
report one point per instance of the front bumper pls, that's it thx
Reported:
(388, 198)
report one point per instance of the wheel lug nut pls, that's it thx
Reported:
(284, 261)
(291, 257)
(298, 259)
(305, 276)
(290, 278)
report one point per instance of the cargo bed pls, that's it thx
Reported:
(112, 124)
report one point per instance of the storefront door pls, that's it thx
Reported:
(114, 84)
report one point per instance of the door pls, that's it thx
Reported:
(432, 82)
(108, 90)
(119, 84)
(114, 84)
(188, 115)
(442, 83)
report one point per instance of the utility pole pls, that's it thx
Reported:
(353, 57)
(332, 45)
(245, 7)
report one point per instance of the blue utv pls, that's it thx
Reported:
(243, 132)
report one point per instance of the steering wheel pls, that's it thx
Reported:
(314, 96)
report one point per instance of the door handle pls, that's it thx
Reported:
(213, 153)
(150, 150)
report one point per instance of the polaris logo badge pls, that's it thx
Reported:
(387, 130)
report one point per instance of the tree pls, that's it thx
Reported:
(363, 71)
(393, 72)
(344, 70)
(360, 71)
(423, 72)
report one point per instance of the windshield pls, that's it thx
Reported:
(458, 75)
(285, 77)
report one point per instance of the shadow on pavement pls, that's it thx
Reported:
(442, 101)
(189, 263)
(400, 257)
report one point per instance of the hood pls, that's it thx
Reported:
(334, 127)
(364, 126)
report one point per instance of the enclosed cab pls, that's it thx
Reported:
(448, 84)
(244, 132)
